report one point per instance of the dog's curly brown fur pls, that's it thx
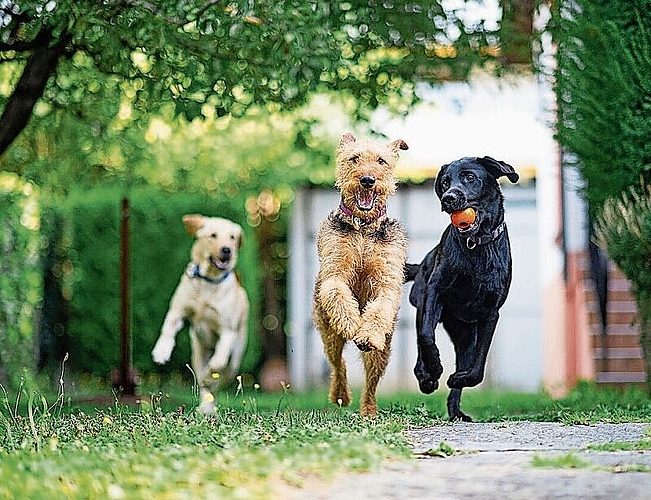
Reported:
(362, 255)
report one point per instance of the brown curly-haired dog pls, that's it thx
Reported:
(362, 254)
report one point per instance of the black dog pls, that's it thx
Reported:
(464, 280)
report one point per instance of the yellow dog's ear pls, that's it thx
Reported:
(193, 222)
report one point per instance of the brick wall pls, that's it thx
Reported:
(617, 353)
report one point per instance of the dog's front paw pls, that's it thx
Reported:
(367, 345)
(363, 345)
(368, 341)
(461, 379)
(426, 383)
(162, 351)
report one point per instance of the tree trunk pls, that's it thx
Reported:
(29, 89)
(517, 30)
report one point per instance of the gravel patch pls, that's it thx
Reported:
(524, 436)
(495, 461)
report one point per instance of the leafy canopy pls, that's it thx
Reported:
(229, 55)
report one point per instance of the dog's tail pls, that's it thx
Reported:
(410, 271)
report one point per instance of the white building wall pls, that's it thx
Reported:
(515, 360)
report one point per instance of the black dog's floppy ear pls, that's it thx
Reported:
(498, 168)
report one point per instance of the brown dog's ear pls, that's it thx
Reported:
(347, 138)
(399, 144)
(193, 222)
(498, 168)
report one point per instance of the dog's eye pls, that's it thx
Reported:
(233, 237)
(382, 161)
(213, 236)
(470, 177)
(354, 159)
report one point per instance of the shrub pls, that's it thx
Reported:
(603, 88)
(624, 228)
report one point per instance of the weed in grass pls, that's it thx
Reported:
(567, 461)
(443, 450)
(643, 444)
(629, 468)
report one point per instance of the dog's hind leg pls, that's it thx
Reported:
(472, 363)
(333, 345)
(202, 373)
(464, 338)
(454, 407)
(375, 363)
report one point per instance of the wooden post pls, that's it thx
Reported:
(124, 381)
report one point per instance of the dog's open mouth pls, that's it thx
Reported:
(219, 263)
(365, 199)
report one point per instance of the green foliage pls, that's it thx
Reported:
(603, 89)
(223, 57)
(623, 227)
(160, 251)
(20, 284)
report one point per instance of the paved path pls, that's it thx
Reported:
(494, 461)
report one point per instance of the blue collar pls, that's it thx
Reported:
(193, 271)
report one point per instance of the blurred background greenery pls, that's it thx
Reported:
(224, 108)
(220, 108)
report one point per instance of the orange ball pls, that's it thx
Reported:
(463, 219)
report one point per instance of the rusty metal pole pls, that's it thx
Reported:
(125, 381)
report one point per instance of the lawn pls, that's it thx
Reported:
(59, 447)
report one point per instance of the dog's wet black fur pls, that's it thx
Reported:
(464, 280)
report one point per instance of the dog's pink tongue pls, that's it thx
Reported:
(365, 199)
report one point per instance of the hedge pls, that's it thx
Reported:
(603, 88)
(160, 251)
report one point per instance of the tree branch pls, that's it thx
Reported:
(29, 88)
(20, 46)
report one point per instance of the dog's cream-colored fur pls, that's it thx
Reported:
(214, 304)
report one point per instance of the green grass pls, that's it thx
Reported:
(566, 461)
(83, 448)
(643, 444)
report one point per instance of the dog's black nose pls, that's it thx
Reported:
(453, 200)
(225, 252)
(367, 181)
(449, 198)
